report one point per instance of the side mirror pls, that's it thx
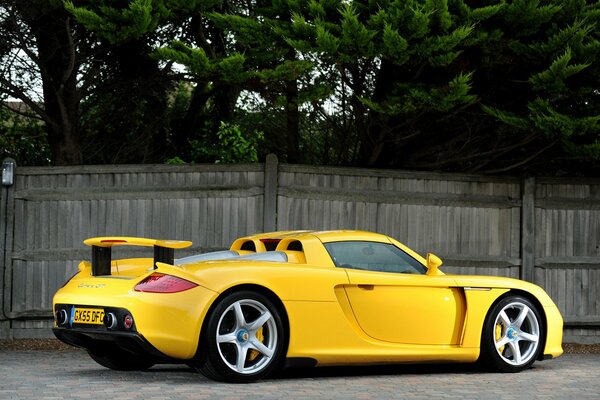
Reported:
(433, 264)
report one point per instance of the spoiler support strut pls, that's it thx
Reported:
(101, 257)
(164, 255)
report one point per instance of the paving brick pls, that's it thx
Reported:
(73, 375)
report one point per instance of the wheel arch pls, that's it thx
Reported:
(250, 287)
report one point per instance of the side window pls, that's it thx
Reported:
(373, 256)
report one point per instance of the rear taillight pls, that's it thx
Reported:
(162, 283)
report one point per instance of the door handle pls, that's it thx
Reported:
(366, 287)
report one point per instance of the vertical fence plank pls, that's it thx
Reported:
(528, 229)
(270, 197)
(4, 260)
(7, 221)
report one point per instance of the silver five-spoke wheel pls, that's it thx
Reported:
(517, 333)
(513, 335)
(244, 338)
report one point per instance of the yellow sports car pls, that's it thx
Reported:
(297, 298)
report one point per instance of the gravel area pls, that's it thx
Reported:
(54, 344)
(34, 344)
(574, 348)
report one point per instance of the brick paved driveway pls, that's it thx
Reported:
(73, 375)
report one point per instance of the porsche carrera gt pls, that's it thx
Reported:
(297, 298)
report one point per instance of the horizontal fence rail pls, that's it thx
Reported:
(545, 230)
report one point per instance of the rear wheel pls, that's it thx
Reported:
(244, 339)
(512, 335)
(120, 361)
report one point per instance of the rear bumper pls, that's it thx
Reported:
(95, 340)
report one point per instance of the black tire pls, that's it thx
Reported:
(249, 348)
(119, 361)
(510, 343)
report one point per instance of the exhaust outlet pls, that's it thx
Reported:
(61, 317)
(110, 320)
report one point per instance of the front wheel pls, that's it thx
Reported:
(244, 339)
(512, 335)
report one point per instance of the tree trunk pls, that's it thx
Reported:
(59, 67)
(143, 88)
(193, 119)
(376, 126)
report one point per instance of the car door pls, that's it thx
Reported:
(394, 300)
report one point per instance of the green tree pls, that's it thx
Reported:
(125, 116)
(413, 78)
(547, 89)
(22, 137)
(272, 67)
(458, 85)
(41, 48)
(99, 102)
(232, 146)
(226, 47)
(177, 32)
(398, 71)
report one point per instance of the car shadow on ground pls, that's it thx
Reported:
(184, 371)
(379, 370)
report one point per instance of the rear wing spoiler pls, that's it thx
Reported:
(164, 250)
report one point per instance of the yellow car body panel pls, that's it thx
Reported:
(341, 341)
(334, 315)
(419, 301)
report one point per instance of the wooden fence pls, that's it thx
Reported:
(546, 230)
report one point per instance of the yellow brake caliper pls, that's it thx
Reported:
(499, 336)
(254, 353)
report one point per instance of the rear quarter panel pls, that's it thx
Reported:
(290, 282)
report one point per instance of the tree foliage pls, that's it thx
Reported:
(550, 69)
(458, 85)
(22, 139)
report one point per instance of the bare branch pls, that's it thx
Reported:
(71, 66)
(523, 162)
(16, 92)
(6, 105)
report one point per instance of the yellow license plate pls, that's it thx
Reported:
(94, 316)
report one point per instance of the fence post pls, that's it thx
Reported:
(6, 231)
(528, 229)
(270, 199)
